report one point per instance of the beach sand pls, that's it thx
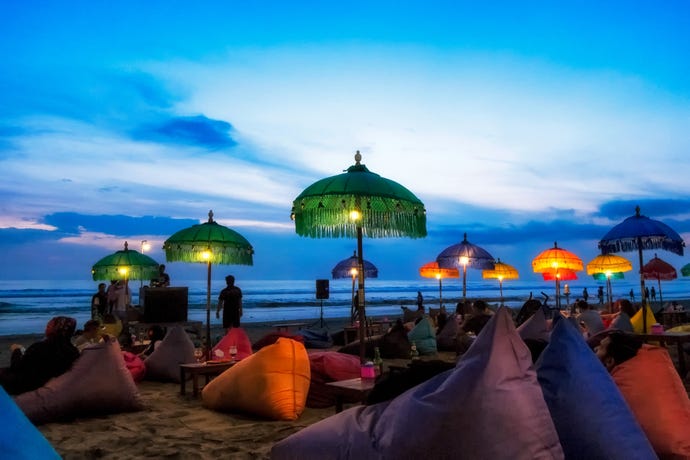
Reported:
(172, 425)
(175, 426)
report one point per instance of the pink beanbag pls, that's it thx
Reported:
(235, 336)
(135, 365)
(97, 383)
(329, 366)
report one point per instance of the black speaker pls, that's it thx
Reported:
(321, 289)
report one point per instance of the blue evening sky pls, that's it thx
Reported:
(519, 123)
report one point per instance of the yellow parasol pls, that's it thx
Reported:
(608, 264)
(501, 271)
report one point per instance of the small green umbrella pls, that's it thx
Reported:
(127, 263)
(209, 243)
(358, 203)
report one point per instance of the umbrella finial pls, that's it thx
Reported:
(555, 244)
(637, 211)
(126, 246)
(210, 216)
(464, 237)
(354, 253)
(358, 157)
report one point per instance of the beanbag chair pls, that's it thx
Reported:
(238, 337)
(446, 337)
(394, 343)
(590, 414)
(316, 338)
(535, 327)
(637, 322)
(489, 406)
(424, 336)
(135, 365)
(272, 337)
(97, 383)
(272, 383)
(175, 349)
(329, 366)
(19, 438)
(653, 390)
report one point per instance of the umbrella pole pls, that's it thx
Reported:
(440, 293)
(360, 307)
(500, 287)
(661, 298)
(464, 282)
(353, 307)
(642, 293)
(208, 311)
(610, 293)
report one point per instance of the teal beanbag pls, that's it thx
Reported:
(590, 414)
(19, 438)
(490, 406)
(424, 336)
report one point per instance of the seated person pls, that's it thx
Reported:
(163, 279)
(622, 320)
(43, 360)
(590, 320)
(478, 319)
(616, 348)
(155, 334)
(90, 335)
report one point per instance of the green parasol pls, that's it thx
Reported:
(209, 243)
(127, 263)
(358, 203)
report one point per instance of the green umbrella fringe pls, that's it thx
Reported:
(335, 223)
(113, 273)
(221, 256)
(650, 242)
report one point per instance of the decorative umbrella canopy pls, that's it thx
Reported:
(604, 267)
(685, 270)
(127, 263)
(657, 269)
(465, 254)
(639, 232)
(560, 275)
(357, 203)
(501, 271)
(209, 243)
(432, 270)
(557, 262)
(347, 268)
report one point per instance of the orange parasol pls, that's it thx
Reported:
(555, 260)
(432, 270)
(608, 264)
(501, 271)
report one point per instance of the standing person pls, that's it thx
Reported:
(585, 294)
(653, 293)
(646, 293)
(632, 295)
(99, 303)
(163, 279)
(420, 301)
(230, 300)
(123, 299)
(600, 295)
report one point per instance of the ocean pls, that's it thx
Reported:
(26, 306)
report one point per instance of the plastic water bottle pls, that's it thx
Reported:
(378, 362)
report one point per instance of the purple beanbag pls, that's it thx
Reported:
(175, 349)
(489, 406)
(97, 383)
(590, 414)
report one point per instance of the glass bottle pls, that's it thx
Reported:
(378, 362)
(414, 353)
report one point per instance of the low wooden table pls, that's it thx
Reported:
(357, 388)
(679, 338)
(286, 326)
(194, 370)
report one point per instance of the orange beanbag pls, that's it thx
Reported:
(653, 390)
(235, 336)
(271, 383)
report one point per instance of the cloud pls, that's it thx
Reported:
(116, 225)
(197, 131)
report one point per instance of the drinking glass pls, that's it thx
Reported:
(198, 353)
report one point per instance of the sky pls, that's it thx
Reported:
(518, 123)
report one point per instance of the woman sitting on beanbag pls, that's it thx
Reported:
(43, 360)
(155, 334)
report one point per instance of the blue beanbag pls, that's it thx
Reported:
(489, 406)
(424, 336)
(315, 338)
(590, 414)
(19, 438)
